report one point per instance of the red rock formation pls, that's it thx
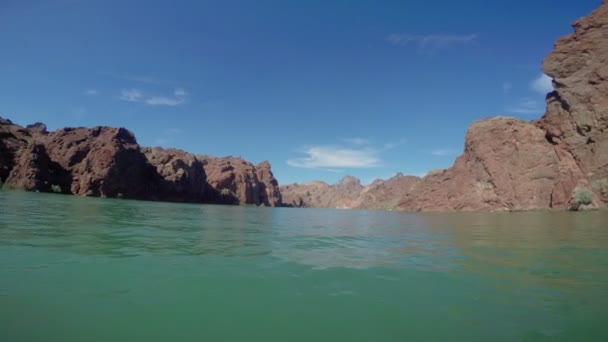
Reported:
(184, 178)
(386, 194)
(577, 111)
(342, 195)
(103, 161)
(35, 171)
(108, 162)
(12, 139)
(349, 193)
(507, 165)
(271, 194)
(233, 180)
(306, 195)
(510, 164)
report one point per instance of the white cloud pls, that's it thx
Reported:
(164, 101)
(359, 154)
(335, 157)
(91, 92)
(542, 84)
(131, 95)
(444, 152)
(179, 97)
(507, 86)
(136, 95)
(431, 42)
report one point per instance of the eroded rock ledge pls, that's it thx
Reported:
(108, 162)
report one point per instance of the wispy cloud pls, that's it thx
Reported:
(179, 97)
(527, 107)
(358, 153)
(542, 84)
(336, 157)
(131, 95)
(91, 92)
(430, 42)
(136, 95)
(442, 152)
(506, 87)
(164, 101)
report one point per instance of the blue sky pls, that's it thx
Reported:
(321, 89)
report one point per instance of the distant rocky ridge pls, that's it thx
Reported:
(511, 164)
(108, 162)
(348, 193)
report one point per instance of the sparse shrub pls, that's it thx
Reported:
(580, 197)
(583, 196)
(56, 188)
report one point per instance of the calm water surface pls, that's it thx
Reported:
(83, 269)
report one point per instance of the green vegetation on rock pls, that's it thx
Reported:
(580, 197)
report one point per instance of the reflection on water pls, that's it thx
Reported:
(531, 275)
(549, 246)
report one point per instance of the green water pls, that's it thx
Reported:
(83, 269)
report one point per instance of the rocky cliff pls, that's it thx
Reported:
(510, 164)
(233, 180)
(108, 162)
(577, 111)
(507, 164)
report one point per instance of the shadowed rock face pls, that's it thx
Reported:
(108, 162)
(271, 194)
(35, 171)
(12, 139)
(183, 176)
(232, 180)
(103, 162)
(577, 111)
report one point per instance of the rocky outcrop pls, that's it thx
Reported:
(232, 180)
(342, 195)
(577, 111)
(108, 162)
(103, 162)
(183, 175)
(271, 194)
(35, 171)
(507, 165)
(386, 194)
(12, 139)
(348, 193)
(307, 195)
